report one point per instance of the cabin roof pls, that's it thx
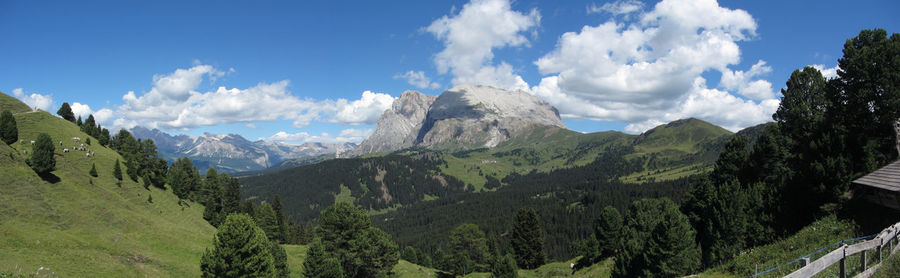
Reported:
(887, 178)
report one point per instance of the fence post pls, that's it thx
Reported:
(862, 260)
(844, 263)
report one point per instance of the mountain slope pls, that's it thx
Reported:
(82, 226)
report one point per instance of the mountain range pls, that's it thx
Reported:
(232, 152)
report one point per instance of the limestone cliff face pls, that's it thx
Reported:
(481, 116)
(397, 127)
(463, 117)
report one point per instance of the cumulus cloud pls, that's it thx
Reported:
(616, 8)
(828, 73)
(646, 71)
(81, 110)
(418, 79)
(350, 135)
(744, 84)
(174, 103)
(366, 110)
(34, 100)
(471, 35)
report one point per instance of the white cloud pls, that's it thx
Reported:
(743, 83)
(418, 79)
(828, 73)
(616, 8)
(350, 135)
(471, 35)
(81, 110)
(103, 116)
(174, 103)
(366, 110)
(645, 72)
(35, 100)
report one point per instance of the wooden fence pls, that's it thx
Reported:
(887, 238)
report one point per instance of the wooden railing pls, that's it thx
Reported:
(887, 238)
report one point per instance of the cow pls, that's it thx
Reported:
(76, 139)
(65, 150)
(32, 142)
(60, 143)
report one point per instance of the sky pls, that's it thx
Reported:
(324, 71)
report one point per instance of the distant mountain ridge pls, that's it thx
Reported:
(232, 152)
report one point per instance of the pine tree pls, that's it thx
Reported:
(528, 239)
(468, 249)
(93, 171)
(265, 218)
(346, 233)
(671, 250)
(9, 131)
(42, 160)
(409, 254)
(608, 231)
(282, 232)
(504, 267)
(104, 137)
(65, 111)
(240, 249)
(279, 259)
(79, 122)
(318, 265)
(117, 170)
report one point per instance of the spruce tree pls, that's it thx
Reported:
(240, 249)
(117, 170)
(282, 233)
(42, 160)
(608, 231)
(319, 265)
(347, 234)
(265, 218)
(9, 131)
(93, 171)
(65, 111)
(468, 249)
(671, 250)
(279, 258)
(504, 267)
(409, 254)
(528, 239)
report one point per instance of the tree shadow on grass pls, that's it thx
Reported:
(50, 177)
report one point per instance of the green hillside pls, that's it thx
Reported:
(12, 104)
(81, 226)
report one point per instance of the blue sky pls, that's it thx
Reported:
(298, 71)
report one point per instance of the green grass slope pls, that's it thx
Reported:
(81, 226)
(12, 104)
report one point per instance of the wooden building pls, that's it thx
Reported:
(881, 187)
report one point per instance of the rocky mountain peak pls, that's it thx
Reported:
(462, 117)
(397, 127)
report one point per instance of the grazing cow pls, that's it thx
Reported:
(76, 139)
(60, 143)
(65, 150)
(32, 142)
(87, 154)
(25, 151)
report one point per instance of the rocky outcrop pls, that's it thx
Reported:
(481, 116)
(397, 127)
(461, 118)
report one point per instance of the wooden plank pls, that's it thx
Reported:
(862, 246)
(869, 272)
(820, 264)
